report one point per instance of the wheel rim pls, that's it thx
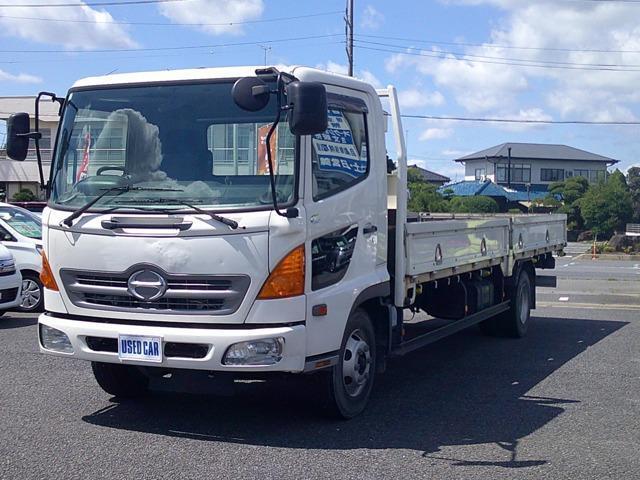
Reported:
(523, 300)
(30, 294)
(356, 364)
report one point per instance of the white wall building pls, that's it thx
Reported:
(15, 176)
(533, 165)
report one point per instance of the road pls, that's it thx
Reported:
(562, 403)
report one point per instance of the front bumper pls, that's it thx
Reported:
(217, 340)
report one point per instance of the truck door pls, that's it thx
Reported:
(341, 201)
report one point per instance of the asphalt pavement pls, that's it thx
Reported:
(564, 402)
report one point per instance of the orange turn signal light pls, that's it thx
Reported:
(46, 275)
(287, 279)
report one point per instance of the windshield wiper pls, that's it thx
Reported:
(119, 191)
(218, 218)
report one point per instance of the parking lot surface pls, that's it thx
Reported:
(564, 402)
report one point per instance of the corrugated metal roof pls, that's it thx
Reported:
(542, 151)
(11, 105)
(470, 188)
(26, 171)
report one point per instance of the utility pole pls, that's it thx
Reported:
(349, 31)
(509, 169)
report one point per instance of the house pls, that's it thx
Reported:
(533, 166)
(429, 176)
(15, 176)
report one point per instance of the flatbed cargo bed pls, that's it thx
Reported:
(438, 246)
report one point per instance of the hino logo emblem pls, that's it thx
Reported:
(146, 285)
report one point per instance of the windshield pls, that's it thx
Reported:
(22, 221)
(189, 142)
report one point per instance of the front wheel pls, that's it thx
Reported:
(351, 379)
(32, 297)
(124, 381)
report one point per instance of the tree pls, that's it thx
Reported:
(607, 206)
(633, 180)
(425, 198)
(24, 195)
(476, 204)
(570, 191)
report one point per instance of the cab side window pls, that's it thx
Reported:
(340, 157)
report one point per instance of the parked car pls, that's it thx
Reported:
(21, 233)
(10, 281)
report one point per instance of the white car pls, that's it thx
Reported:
(10, 281)
(21, 233)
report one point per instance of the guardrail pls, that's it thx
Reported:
(633, 229)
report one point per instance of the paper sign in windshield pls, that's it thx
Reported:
(336, 149)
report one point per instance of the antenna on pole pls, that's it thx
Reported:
(266, 49)
(349, 32)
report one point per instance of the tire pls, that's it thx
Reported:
(32, 294)
(351, 379)
(515, 321)
(123, 381)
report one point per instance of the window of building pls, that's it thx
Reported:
(481, 173)
(520, 172)
(45, 146)
(340, 153)
(582, 173)
(596, 176)
(235, 148)
(551, 174)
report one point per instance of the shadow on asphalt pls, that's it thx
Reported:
(8, 321)
(465, 390)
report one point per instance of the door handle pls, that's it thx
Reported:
(369, 229)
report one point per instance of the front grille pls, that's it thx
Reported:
(8, 295)
(171, 349)
(210, 294)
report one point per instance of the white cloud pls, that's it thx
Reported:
(417, 98)
(92, 29)
(436, 134)
(225, 13)
(341, 69)
(19, 78)
(527, 33)
(372, 19)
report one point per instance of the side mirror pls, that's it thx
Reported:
(18, 136)
(308, 112)
(251, 93)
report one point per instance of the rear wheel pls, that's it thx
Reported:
(515, 321)
(351, 379)
(124, 381)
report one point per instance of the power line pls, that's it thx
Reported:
(533, 65)
(183, 47)
(89, 4)
(494, 45)
(165, 24)
(517, 120)
(551, 62)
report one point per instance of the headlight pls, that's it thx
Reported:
(54, 339)
(7, 267)
(264, 352)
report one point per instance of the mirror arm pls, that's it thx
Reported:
(37, 135)
(291, 212)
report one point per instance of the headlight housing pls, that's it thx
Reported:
(55, 340)
(263, 352)
(7, 267)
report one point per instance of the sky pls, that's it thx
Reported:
(560, 60)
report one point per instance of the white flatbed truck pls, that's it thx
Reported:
(246, 220)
